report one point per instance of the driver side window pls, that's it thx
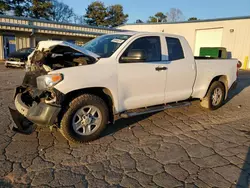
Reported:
(145, 49)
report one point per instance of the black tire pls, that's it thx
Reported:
(66, 126)
(207, 102)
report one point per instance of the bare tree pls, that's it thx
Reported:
(78, 19)
(175, 15)
(61, 12)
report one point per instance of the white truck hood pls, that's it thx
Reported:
(55, 47)
(52, 43)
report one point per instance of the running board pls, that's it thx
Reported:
(154, 109)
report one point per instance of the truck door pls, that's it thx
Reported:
(181, 70)
(141, 74)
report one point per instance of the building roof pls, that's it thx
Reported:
(192, 21)
(54, 22)
(23, 24)
(147, 33)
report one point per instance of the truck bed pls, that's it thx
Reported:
(207, 69)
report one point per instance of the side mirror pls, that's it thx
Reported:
(136, 55)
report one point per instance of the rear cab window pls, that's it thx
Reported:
(175, 50)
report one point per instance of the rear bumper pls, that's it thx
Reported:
(26, 118)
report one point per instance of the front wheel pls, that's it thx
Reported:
(215, 96)
(84, 119)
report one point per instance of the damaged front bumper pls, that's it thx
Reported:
(26, 118)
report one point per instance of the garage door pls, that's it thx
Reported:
(207, 38)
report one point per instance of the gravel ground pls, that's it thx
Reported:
(186, 147)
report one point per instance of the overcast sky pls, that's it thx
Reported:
(202, 9)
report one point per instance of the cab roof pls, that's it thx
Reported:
(139, 33)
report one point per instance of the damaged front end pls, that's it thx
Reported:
(37, 102)
(35, 107)
(54, 55)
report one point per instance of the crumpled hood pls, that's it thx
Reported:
(50, 44)
(46, 51)
(53, 55)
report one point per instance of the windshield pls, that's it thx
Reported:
(106, 45)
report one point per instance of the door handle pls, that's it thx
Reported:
(161, 68)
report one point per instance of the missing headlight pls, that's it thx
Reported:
(50, 97)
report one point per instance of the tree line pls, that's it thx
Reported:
(174, 15)
(97, 14)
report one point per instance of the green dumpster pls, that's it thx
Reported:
(213, 52)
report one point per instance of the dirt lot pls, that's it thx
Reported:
(187, 147)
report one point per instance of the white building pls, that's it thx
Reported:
(231, 33)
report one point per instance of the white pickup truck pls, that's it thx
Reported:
(81, 89)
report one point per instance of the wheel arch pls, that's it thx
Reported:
(224, 80)
(101, 92)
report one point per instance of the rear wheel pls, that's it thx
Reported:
(84, 119)
(215, 96)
